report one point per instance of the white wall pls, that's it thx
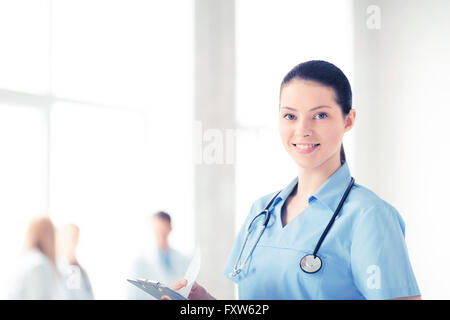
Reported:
(402, 94)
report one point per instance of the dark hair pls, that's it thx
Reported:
(329, 75)
(162, 215)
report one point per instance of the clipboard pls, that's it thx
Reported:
(156, 289)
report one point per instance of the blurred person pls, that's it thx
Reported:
(161, 263)
(75, 279)
(36, 274)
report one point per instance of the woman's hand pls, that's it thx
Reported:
(197, 291)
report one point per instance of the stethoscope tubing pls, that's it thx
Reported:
(266, 212)
(333, 218)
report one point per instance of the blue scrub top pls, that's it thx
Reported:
(364, 255)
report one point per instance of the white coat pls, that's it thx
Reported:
(151, 266)
(35, 279)
(76, 282)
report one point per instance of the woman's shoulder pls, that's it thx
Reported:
(366, 198)
(366, 204)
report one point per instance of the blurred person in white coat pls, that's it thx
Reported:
(36, 276)
(75, 279)
(160, 263)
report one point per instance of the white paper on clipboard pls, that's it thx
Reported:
(191, 273)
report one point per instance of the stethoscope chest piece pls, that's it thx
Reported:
(310, 263)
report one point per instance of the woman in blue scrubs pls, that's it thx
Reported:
(364, 254)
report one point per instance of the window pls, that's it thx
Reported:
(96, 118)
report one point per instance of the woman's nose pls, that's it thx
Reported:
(303, 128)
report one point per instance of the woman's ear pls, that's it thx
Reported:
(350, 119)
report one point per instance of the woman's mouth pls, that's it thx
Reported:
(305, 148)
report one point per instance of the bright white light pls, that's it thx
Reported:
(24, 55)
(98, 181)
(121, 52)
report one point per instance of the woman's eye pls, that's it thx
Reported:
(289, 116)
(321, 116)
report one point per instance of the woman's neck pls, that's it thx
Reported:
(310, 180)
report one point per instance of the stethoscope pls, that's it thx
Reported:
(310, 263)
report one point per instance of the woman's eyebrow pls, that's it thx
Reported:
(289, 108)
(312, 109)
(319, 107)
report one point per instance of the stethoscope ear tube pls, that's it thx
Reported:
(237, 269)
(333, 218)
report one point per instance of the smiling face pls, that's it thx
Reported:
(311, 123)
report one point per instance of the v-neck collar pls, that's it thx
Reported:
(329, 193)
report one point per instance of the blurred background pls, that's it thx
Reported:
(111, 110)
